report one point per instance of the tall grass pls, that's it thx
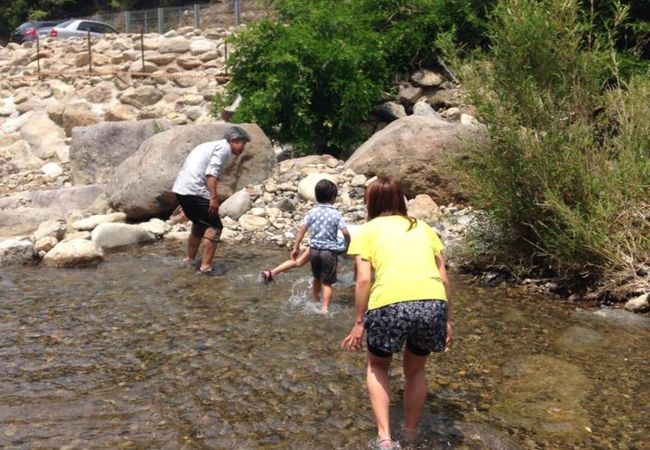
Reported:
(566, 175)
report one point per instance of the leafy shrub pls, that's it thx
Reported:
(312, 77)
(567, 173)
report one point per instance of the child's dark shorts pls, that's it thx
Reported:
(323, 264)
(422, 324)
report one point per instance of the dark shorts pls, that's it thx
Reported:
(421, 324)
(196, 209)
(323, 264)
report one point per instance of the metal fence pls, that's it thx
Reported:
(160, 20)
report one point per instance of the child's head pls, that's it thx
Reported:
(237, 138)
(325, 191)
(384, 197)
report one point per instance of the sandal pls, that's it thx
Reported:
(265, 277)
(386, 444)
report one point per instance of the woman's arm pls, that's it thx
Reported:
(361, 297)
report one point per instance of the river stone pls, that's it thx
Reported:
(174, 45)
(424, 109)
(415, 150)
(408, 95)
(16, 252)
(250, 222)
(52, 170)
(188, 62)
(236, 205)
(161, 59)
(53, 228)
(182, 236)
(578, 339)
(286, 205)
(120, 112)
(96, 150)
(45, 244)
(22, 156)
(155, 226)
(200, 46)
(110, 235)
(77, 115)
(638, 304)
(141, 96)
(43, 135)
(542, 394)
(89, 223)
(424, 208)
(141, 185)
(74, 253)
(426, 78)
(308, 184)
(390, 111)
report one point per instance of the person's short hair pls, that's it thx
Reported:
(235, 133)
(325, 191)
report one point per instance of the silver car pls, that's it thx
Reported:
(80, 28)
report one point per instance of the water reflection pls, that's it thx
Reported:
(143, 353)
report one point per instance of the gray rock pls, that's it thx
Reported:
(50, 228)
(23, 157)
(286, 205)
(78, 115)
(43, 135)
(141, 96)
(424, 208)
(408, 95)
(111, 235)
(141, 185)
(414, 150)
(16, 252)
(250, 222)
(174, 45)
(74, 253)
(45, 244)
(201, 46)
(638, 304)
(236, 205)
(424, 109)
(155, 226)
(444, 98)
(120, 112)
(97, 150)
(89, 223)
(426, 78)
(390, 111)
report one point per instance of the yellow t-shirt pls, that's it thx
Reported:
(403, 260)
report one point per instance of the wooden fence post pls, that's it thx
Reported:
(90, 55)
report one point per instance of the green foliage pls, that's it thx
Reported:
(312, 77)
(567, 174)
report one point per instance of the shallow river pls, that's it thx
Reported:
(141, 353)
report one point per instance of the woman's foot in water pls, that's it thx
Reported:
(386, 444)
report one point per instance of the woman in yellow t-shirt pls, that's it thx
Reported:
(407, 304)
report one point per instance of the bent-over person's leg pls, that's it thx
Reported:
(211, 238)
(194, 241)
(415, 389)
(379, 390)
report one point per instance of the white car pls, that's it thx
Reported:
(80, 28)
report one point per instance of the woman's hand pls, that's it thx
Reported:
(353, 340)
(450, 335)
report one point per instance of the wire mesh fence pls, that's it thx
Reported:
(225, 13)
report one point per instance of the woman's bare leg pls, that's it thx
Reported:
(415, 389)
(379, 391)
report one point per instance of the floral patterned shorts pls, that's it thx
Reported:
(422, 324)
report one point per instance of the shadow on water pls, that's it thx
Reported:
(143, 353)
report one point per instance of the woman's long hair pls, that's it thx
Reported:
(384, 197)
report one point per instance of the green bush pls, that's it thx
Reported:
(566, 176)
(312, 77)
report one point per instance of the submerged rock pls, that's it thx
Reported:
(579, 339)
(16, 252)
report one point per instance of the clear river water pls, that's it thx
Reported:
(141, 353)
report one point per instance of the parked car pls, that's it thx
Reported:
(80, 28)
(28, 31)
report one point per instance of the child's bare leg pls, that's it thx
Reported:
(327, 297)
(291, 263)
(315, 289)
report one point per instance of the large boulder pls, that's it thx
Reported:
(74, 253)
(98, 149)
(141, 185)
(415, 150)
(111, 235)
